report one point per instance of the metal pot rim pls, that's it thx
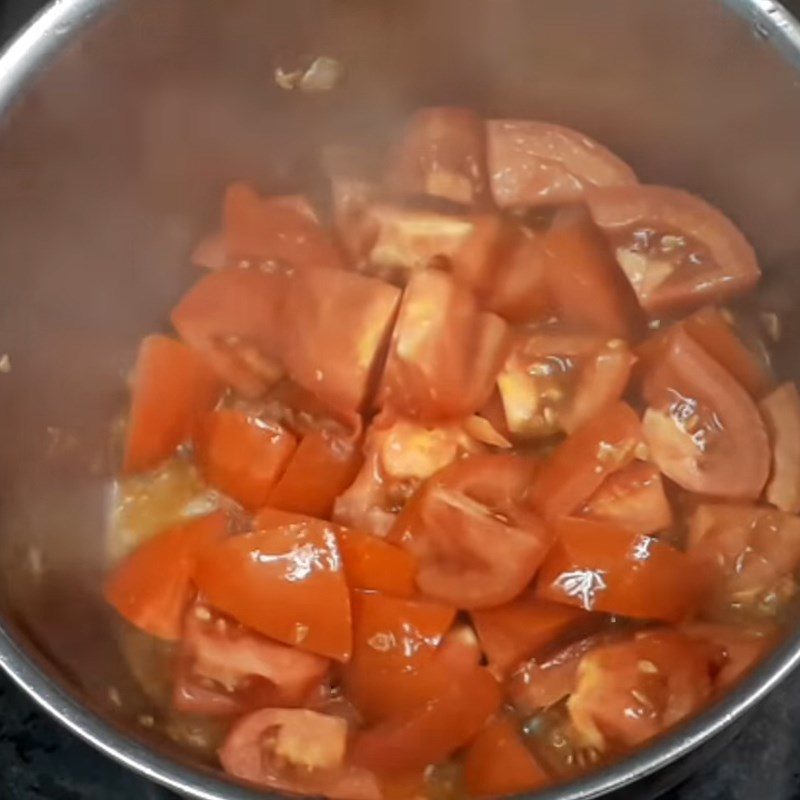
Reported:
(51, 30)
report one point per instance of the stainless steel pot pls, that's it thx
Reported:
(122, 120)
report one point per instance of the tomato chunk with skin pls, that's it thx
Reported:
(754, 554)
(372, 563)
(284, 229)
(556, 380)
(498, 763)
(285, 581)
(678, 251)
(700, 422)
(476, 543)
(429, 734)
(225, 669)
(781, 413)
(153, 586)
(173, 388)
(585, 282)
(537, 163)
(632, 498)
(297, 751)
(514, 632)
(631, 691)
(243, 455)
(442, 153)
(600, 567)
(320, 469)
(399, 455)
(395, 644)
(575, 470)
(445, 353)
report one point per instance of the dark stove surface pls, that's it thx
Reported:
(40, 760)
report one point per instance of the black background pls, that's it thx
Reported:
(39, 759)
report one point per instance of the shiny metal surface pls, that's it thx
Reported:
(123, 119)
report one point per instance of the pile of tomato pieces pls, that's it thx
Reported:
(490, 455)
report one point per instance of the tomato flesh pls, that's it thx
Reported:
(371, 563)
(154, 585)
(600, 567)
(781, 413)
(172, 390)
(285, 581)
(476, 544)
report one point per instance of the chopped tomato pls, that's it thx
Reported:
(678, 251)
(545, 680)
(284, 229)
(399, 456)
(326, 328)
(172, 390)
(699, 423)
(226, 669)
(352, 196)
(445, 353)
(297, 751)
(285, 581)
(395, 644)
(628, 692)
(535, 163)
(442, 154)
(511, 633)
(556, 380)
(243, 455)
(578, 466)
(753, 551)
(498, 763)
(632, 498)
(371, 563)
(600, 567)
(432, 732)
(153, 586)
(742, 647)
(586, 284)
(781, 413)
(321, 468)
(476, 543)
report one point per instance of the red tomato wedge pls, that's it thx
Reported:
(600, 567)
(632, 498)
(576, 469)
(442, 154)
(742, 647)
(372, 563)
(320, 469)
(538, 163)
(431, 733)
(678, 251)
(514, 632)
(296, 751)
(153, 586)
(445, 353)
(476, 543)
(399, 455)
(284, 229)
(585, 282)
(701, 421)
(781, 413)
(326, 328)
(172, 389)
(556, 380)
(628, 692)
(753, 551)
(395, 644)
(226, 669)
(243, 455)
(498, 763)
(285, 581)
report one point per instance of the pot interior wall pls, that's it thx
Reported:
(113, 160)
